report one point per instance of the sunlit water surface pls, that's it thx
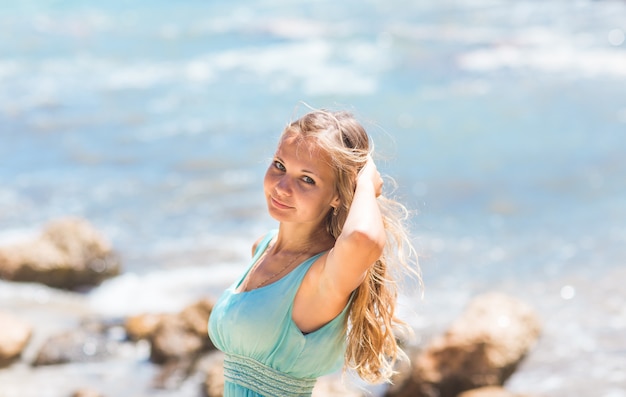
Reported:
(503, 123)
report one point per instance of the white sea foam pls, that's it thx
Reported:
(12, 236)
(319, 67)
(548, 51)
(8, 68)
(160, 291)
(616, 37)
(38, 296)
(534, 47)
(293, 28)
(309, 63)
(451, 33)
(586, 62)
(141, 75)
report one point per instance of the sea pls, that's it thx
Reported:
(502, 123)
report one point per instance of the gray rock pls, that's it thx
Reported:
(68, 254)
(482, 348)
(89, 343)
(183, 334)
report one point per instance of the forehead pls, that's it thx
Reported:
(305, 150)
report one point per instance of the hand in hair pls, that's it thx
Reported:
(369, 173)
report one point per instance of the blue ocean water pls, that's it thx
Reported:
(503, 124)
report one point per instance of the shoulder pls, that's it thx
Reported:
(266, 237)
(256, 244)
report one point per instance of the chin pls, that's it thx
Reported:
(274, 212)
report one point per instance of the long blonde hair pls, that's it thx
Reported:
(372, 328)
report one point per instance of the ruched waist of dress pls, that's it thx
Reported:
(264, 380)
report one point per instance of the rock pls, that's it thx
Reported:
(68, 254)
(196, 316)
(89, 343)
(183, 334)
(142, 326)
(174, 340)
(178, 342)
(481, 348)
(14, 336)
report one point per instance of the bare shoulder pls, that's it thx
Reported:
(316, 302)
(324, 281)
(256, 244)
(347, 263)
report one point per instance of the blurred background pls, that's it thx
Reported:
(503, 123)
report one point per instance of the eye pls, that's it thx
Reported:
(308, 179)
(279, 165)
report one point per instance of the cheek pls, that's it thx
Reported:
(267, 179)
(325, 200)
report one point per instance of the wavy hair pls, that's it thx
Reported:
(372, 328)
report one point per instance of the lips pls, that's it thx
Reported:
(278, 204)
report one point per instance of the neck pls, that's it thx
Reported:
(297, 238)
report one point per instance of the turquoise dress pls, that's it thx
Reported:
(265, 352)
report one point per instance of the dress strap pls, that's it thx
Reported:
(264, 380)
(260, 248)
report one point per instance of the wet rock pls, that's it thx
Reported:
(14, 336)
(482, 348)
(177, 341)
(183, 334)
(196, 316)
(89, 343)
(68, 254)
(142, 326)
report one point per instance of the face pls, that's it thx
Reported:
(299, 184)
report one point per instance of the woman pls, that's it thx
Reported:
(320, 287)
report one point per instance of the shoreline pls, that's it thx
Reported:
(550, 368)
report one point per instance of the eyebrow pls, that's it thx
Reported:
(304, 171)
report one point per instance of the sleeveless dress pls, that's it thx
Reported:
(266, 354)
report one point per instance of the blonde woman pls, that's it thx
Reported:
(320, 290)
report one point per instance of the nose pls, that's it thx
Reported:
(283, 186)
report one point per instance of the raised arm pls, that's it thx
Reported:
(362, 238)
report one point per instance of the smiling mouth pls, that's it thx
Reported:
(278, 204)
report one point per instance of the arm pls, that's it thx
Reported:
(362, 239)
